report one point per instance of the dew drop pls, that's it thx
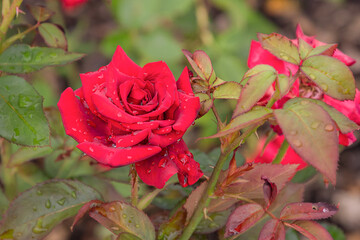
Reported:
(112, 209)
(148, 171)
(61, 201)
(48, 204)
(293, 132)
(315, 124)
(129, 157)
(329, 127)
(304, 102)
(137, 225)
(124, 216)
(119, 115)
(91, 149)
(34, 209)
(324, 87)
(297, 143)
(39, 192)
(149, 149)
(115, 228)
(312, 76)
(24, 101)
(73, 195)
(325, 210)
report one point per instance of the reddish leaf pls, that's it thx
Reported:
(84, 209)
(193, 199)
(307, 211)
(206, 103)
(270, 191)
(311, 230)
(312, 134)
(252, 185)
(243, 218)
(40, 13)
(255, 83)
(201, 64)
(272, 230)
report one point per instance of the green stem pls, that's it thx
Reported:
(146, 200)
(8, 17)
(281, 153)
(202, 17)
(8, 175)
(204, 201)
(18, 36)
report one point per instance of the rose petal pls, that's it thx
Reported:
(105, 107)
(160, 74)
(125, 89)
(189, 170)
(164, 140)
(183, 83)
(186, 113)
(164, 105)
(156, 171)
(90, 82)
(141, 125)
(79, 123)
(130, 139)
(116, 157)
(164, 130)
(124, 64)
(346, 139)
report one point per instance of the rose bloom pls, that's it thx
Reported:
(72, 4)
(126, 114)
(349, 108)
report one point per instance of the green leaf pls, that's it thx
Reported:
(304, 175)
(227, 90)
(36, 211)
(280, 46)
(127, 236)
(201, 64)
(344, 124)
(255, 116)
(214, 222)
(24, 59)
(331, 75)
(327, 49)
(282, 84)
(255, 84)
(304, 48)
(22, 118)
(334, 231)
(312, 134)
(171, 229)
(53, 35)
(121, 217)
(25, 154)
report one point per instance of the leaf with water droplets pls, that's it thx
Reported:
(22, 58)
(53, 35)
(310, 229)
(36, 211)
(127, 236)
(243, 218)
(273, 229)
(121, 217)
(307, 211)
(280, 46)
(344, 124)
(255, 83)
(312, 134)
(172, 228)
(331, 75)
(22, 118)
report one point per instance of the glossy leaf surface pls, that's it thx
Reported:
(331, 75)
(24, 59)
(36, 211)
(227, 90)
(311, 133)
(311, 230)
(22, 118)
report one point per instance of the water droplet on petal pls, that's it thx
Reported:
(129, 157)
(112, 209)
(91, 149)
(119, 115)
(325, 210)
(297, 143)
(329, 127)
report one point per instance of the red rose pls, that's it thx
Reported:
(129, 114)
(258, 55)
(71, 4)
